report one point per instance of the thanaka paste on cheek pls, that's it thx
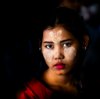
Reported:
(48, 55)
(70, 53)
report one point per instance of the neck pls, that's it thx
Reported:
(54, 79)
(60, 82)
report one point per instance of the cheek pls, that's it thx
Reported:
(47, 56)
(70, 53)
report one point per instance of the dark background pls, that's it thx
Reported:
(19, 44)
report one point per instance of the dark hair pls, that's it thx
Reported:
(66, 17)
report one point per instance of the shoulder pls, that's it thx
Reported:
(34, 90)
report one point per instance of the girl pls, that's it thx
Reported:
(63, 44)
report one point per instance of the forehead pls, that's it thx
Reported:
(57, 32)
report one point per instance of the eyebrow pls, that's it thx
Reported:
(60, 41)
(47, 42)
(66, 40)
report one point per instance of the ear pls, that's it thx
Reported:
(85, 41)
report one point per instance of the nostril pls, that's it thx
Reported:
(60, 56)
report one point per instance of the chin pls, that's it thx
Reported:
(61, 72)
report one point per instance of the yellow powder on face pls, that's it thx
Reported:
(56, 35)
(48, 55)
(70, 53)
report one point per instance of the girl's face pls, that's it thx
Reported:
(59, 49)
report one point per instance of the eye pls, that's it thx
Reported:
(67, 44)
(49, 46)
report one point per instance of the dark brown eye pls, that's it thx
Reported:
(67, 44)
(49, 46)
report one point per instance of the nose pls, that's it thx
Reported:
(58, 54)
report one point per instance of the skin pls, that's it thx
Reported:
(59, 46)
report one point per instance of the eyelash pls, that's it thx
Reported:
(68, 44)
(49, 46)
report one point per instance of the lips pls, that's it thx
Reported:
(60, 66)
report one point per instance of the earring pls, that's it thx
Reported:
(85, 48)
(39, 49)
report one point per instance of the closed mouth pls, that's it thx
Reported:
(60, 66)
